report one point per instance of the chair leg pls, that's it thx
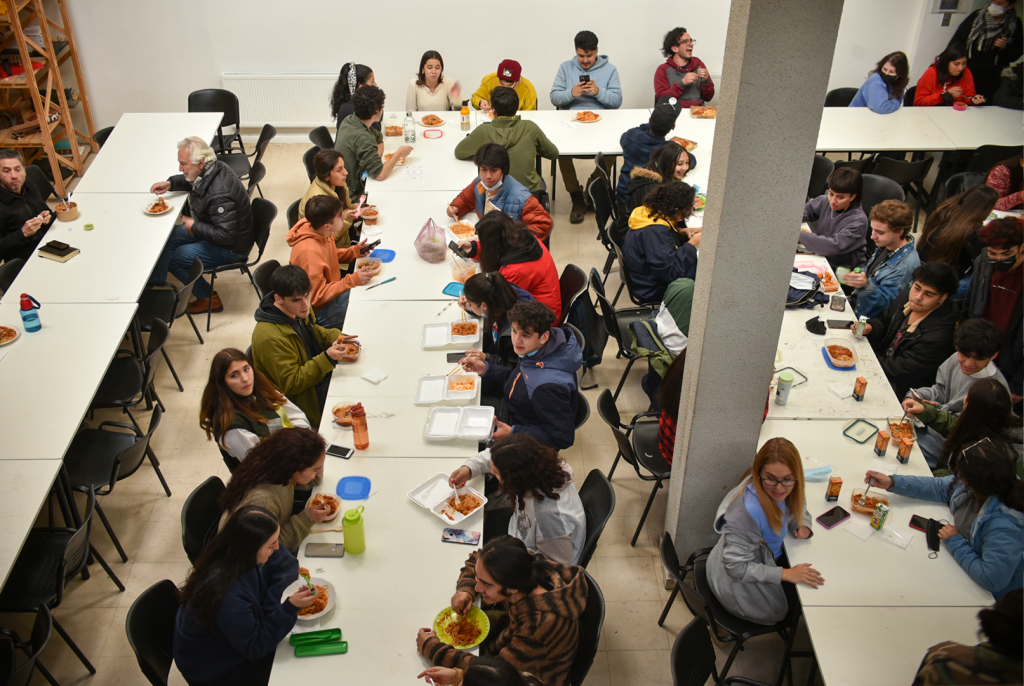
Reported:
(132, 418)
(171, 368)
(107, 569)
(209, 301)
(615, 396)
(156, 468)
(643, 518)
(74, 648)
(587, 388)
(615, 464)
(618, 293)
(787, 659)
(46, 673)
(668, 605)
(728, 663)
(110, 532)
(248, 273)
(195, 328)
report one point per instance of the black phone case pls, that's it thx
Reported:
(932, 537)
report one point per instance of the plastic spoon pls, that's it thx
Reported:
(326, 531)
(359, 207)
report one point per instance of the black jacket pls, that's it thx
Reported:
(986, 66)
(918, 356)
(220, 207)
(15, 210)
(1011, 358)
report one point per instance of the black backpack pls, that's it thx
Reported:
(806, 298)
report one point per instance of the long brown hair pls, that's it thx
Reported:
(220, 403)
(528, 467)
(498, 234)
(273, 461)
(987, 413)
(782, 451)
(899, 62)
(957, 217)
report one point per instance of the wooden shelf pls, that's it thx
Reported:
(32, 140)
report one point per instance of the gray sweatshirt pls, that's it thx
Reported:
(741, 569)
(951, 386)
(842, 237)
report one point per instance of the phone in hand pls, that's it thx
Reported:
(340, 451)
(839, 323)
(455, 357)
(584, 78)
(373, 245)
(918, 522)
(836, 515)
(457, 250)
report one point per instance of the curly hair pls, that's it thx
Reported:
(1007, 232)
(528, 468)
(367, 101)
(670, 200)
(670, 40)
(532, 316)
(275, 460)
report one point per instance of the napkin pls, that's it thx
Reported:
(884, 466)
(375, 375)
(841, 389)
(859, 528)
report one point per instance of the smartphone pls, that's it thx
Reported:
(325, 550)
(457, 250)
(835, 516)
(840, 323)
(584, 78)
(459, 536)
(340, 451)
(455, 357)
(373, 245)
(918, 522)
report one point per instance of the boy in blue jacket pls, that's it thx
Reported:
(638, 143)
(890, 268)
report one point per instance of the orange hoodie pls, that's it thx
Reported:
(319, 258)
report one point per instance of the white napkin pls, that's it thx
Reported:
(571, 124)
(375, 375)
(859, 528)
(842, 390)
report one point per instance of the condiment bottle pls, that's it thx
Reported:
(30, 313)
(359, 431)
(352, 528)
(465, 115)
(782, 392)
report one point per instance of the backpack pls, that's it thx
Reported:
(805, 291)
(584, 317)
(646, 343)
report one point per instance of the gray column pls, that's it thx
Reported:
(777, 61)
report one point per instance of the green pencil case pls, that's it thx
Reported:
(314, 649)
(322, 636)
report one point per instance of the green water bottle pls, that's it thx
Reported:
(352, 526)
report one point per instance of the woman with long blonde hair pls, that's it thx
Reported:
(745, 569)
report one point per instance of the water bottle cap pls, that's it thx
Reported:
(786, 377)
(26, 302)
(354, 516)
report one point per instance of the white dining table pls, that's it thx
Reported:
(432, 165)
(978, 126)
(858, 128)
(24, 485)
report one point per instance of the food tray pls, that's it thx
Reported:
(332, 595)
(471, 423)
(889, 421)
(464, 377)
(433, 494)
(845, 344)
(452, 236)
(875, 493)
(860, 430)
(383, 254)
(438, 334)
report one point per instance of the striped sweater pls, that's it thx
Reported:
(539, 634)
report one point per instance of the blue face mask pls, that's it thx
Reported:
(496, 187)
(531, 354)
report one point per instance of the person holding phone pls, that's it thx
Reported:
(986, 502)
(747, 569)
(682, 76)
(889, 270)
(231, 617)
(947, 81)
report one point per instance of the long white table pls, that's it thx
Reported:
(574, 138)
(23, 487)
(432, 165)
(978, 126)
(858, 128)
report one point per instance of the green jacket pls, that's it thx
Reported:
(939, 420)
(524, 141)
(358, 143)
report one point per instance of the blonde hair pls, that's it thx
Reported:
(781, 451)
(198, 150)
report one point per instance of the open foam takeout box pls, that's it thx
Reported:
(438, 334)
(433, 495)
(470, 423)
(435, 388)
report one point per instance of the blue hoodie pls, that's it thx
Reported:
(603, 73)
(874, 94)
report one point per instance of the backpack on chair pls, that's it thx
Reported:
(646, 343)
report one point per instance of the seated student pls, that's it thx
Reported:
(668, 162)
(313, 248)
(997, 660)
(950, 233)
(639, 142)
(668, 395)
(240, 407)
(894, 261)
(994, 293)
(986, 499)
(1007, 179)
(483, 671)
(745, 568)
(948, 80)
(914, 335)
(363, 146)
(268, 477)
(1010, 93)
(351, 78)
(232, 617)
(655, 251)
(841, 234)
(504, 245)
(683, 76)
(994, 38)
(523, 140)
(883, 91)
(491, 297)
(509, 75)
(431, 90)
(330, 179)
(295, 353)
(547, 513)
(493, 189)
(540, 391)
(24, 215)
(539, 631)
(671, 326)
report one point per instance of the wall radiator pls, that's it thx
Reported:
(296, 100)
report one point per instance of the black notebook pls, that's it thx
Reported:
(57, 251)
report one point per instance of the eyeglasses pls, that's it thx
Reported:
(688, 41)
(963, 453)
(772, 481)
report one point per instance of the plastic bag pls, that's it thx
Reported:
(431, 243)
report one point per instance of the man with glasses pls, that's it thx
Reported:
(683, 76)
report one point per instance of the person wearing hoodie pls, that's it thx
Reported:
(290, 348)
(894, 261)
(547, 513)
(494, 189)
(914, 335)
(986, 499)
(509, 75)
(540, 392)
(994, 38)
(539, 631)
(523, 140)
(886, 84)
(361, 145)
(330, 180)
(639, 142)
(587, 82)
(747, 569)
(655, 251)
(313, 248)
(841, 234)
(490, 297)
(682, 76)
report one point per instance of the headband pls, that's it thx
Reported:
(351, 78)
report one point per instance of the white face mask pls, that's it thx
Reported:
(996, 10)
(496, 186)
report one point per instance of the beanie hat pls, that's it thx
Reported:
(509, 70)
(663, 119)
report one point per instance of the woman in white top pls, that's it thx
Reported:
(431, 90)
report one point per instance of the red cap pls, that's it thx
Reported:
(26, 302)
(509, 70)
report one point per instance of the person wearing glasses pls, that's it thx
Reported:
(683, 76)
(748, 570)
(986, 503)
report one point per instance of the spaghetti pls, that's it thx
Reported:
(466, 505)
(319, 603)
(462, 631)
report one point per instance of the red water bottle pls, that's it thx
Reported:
(360, 434)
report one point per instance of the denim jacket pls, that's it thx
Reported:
(888, 281)
(995, 556)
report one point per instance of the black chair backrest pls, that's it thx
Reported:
(598, 498)
(571, 285)
(908, 96)
(150, 629)
(693, 600)
(307, 162)
(591, 621)
(597, 333)
(216, 100)
(582, 410)
(840, 97)
(821, 169)
(267, 134)
(322, 138)
(879, 188)
(628, 279)
(669, 556)
(263, 214)
(76, 550)
(185, 294)
(607, 410)
(257, 173)
(604, 209)
(693, 655)
(9, 272)
(261, 276)
(200, 515)
(609, 187)
(988, 156)
(861, 165)
(955, 185)
(902, 172)
(130, 459)
(158, 335)
(22, 676)
(102, 135)
(37, 178)
(292, 213)
(607, 311)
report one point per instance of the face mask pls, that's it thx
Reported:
(496, 187)
(889, 78)
(996, 10)
(1003, 265)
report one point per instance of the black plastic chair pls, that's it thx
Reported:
(165, 302)
(821, 170)
(241, 165)
(37, 177)
(263, 213)
(598, 497)
(616, 323)
(693, 658)
(862, 165)
(200, 516)
(42, 628)
(879, 188)
(261, 277)
(602, 171)
(670, 560)
(307, 162)
(50, 558)
(988, 156)
(590, 622)
(571, 285)
(958, 183)
(225, 102)
(910, 176)
(9, 272)
(627, 279)
(102, 135)
(840, 97)
(292, 213)
(99, 458)
(605, 215)
(908, 96)
(322, 138)
(256, 175)
(150, 629)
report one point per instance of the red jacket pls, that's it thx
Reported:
(662, 87)
(930, 91)
(530, 267)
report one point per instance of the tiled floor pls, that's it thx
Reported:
(633, 649)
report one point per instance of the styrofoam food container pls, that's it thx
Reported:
(461, 340)
(433, 495)
(470, 423)
(844, 343)
(430, 389)
(439, 334)
(462, 395)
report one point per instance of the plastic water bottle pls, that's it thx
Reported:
(30, 313)
(352, 529)
(409, 127)
(782, 392)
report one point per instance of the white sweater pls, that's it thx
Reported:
(420, 99)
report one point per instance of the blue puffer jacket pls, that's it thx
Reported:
(995, 556)
(510, 199)
(656, 255)
(888, 281)
(540, 391)
(637, 145)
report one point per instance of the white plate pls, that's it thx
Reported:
(17, 335)
(586, 122)
(316, 581)
(145, 209)
(419, 122)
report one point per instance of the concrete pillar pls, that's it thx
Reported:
(778, 55)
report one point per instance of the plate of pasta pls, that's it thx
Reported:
(462, 631)
(325, 595)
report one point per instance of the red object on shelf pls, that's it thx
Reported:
(18, 69)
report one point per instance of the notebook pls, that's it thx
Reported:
(57, 251)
